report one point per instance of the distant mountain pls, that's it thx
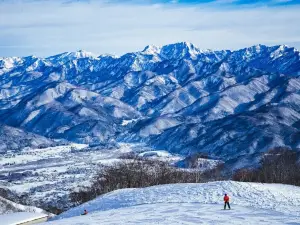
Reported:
(14, 139)
(229, 104)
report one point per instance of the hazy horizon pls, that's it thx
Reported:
(45, 28)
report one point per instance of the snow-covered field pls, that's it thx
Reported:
(251, 203)
(49, 174)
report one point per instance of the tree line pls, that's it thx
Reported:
(139, 173)
(278, 165)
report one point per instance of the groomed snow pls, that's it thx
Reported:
(252, 203)
(20, 217)
(181, 213)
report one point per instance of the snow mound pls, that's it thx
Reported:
(284, 199)
(155, 154)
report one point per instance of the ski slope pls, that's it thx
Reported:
(24, 218)
(252, 203)
(181, 213)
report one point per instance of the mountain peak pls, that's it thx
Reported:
(151, 49)
(180, 49)
(69, 56)
(183, 44)
(82, 54)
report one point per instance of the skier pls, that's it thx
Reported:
(226, 201)
(84, 212)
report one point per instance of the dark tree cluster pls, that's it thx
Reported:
(278, 165)
(137, 173)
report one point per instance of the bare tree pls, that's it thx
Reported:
(278, 165)
(136, 173)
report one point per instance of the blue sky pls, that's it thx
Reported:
(44, 27)
(194, 2)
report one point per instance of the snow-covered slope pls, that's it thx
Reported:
(182, 213)
(252, 203)
(7, 206)
(14, 139)
(61, 110)
(8, 203)
(23, 218)
(178, 97)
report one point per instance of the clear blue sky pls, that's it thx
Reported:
(43, 28)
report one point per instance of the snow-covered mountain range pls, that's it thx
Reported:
(232, 105)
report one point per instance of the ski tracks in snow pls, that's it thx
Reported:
(254, 195)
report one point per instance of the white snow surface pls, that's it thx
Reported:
(181, 213)
(251, 203)
(20, 217)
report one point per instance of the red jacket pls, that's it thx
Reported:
(226, 198)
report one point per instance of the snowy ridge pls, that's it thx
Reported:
(14, 139)
(283, 199)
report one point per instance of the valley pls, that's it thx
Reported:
(47, 176)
